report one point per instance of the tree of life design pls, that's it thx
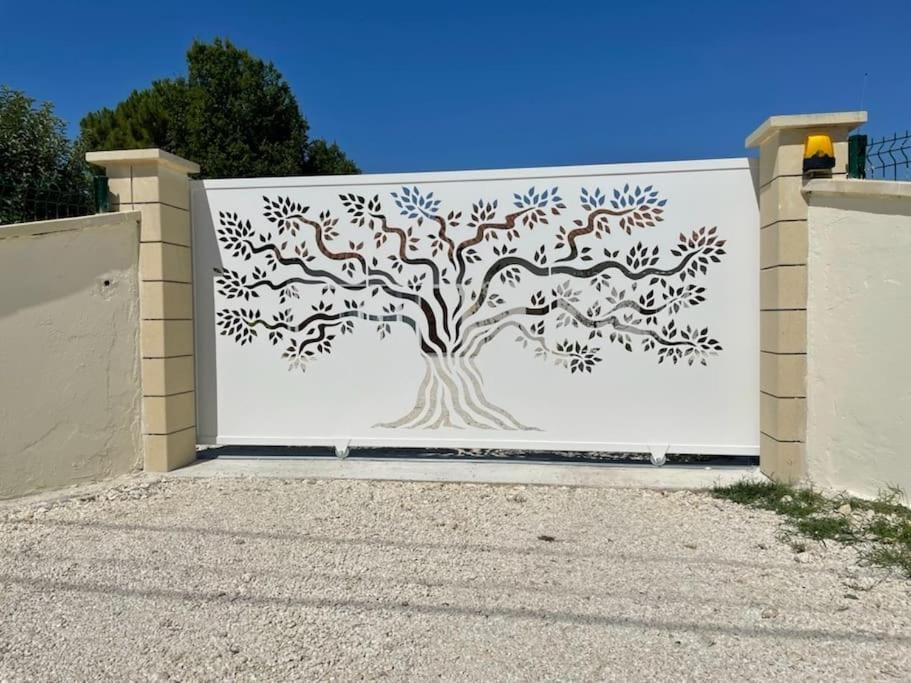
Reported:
(447, 278)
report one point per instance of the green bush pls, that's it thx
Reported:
(42, 174)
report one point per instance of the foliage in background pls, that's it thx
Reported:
(324, 158)
(880, 529)
(42, 174)
(233, 114)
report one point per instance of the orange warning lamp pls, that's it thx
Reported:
(818, 154)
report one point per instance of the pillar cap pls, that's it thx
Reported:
(834, 120)
(130, 157)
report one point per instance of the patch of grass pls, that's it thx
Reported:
(781, 498)
(826, 528)
(889, 502)
(881, 527)
(898, 557)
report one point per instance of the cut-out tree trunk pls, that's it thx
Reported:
(458, 283)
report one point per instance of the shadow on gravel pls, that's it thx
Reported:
(550, 590)
(555, 550)
(560, 616)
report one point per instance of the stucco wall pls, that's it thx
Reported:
(70, 394)
(859, 335)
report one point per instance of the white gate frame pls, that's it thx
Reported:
(701, 193)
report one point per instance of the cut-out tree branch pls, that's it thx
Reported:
(457, 283)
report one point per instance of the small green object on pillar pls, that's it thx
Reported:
(857, 156)
(100, 188)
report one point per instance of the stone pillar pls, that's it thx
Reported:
(156, 183)
(783, 281)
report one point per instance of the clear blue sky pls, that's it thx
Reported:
(450, 85)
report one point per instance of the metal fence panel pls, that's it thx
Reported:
(594, 307)
(884, 158)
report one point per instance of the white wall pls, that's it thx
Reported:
(858, 327)
(69, 352)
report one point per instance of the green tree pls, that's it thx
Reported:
(233, 114)
(42, 174)
(143, 119)
(324, 158)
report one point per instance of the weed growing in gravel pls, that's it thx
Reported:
(880, 528)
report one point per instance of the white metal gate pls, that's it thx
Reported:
(590, 308)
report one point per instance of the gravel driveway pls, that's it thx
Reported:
(345, 580)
